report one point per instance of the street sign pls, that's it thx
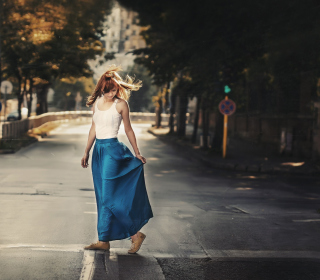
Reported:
(227, 107)
(6, 87)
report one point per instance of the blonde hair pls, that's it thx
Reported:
(111, 79)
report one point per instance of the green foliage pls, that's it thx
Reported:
(220, 42)
(45, 40)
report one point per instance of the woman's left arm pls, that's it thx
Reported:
(124, 110)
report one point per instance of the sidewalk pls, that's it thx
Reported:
(241, 156)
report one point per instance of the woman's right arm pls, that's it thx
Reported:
(91, 138)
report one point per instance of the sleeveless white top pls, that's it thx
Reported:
(107, 122)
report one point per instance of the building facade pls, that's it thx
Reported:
(121, 35)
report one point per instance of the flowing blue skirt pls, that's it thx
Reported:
(122, 201)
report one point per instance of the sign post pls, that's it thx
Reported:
(225, 134)
(226, 107)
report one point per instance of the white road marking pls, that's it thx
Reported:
(45, 247)
(88, 265)
(90, 212)
(306, 221)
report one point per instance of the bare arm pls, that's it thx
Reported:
(124, 110)
(91, 138)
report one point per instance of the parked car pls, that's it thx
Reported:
(13, 116)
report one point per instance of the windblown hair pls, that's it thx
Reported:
(111, 79)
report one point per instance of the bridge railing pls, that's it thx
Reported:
(15, 129)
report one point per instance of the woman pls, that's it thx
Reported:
(122, 201)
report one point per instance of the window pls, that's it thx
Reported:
(133, 32)
(128, 26)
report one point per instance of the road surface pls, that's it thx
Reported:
(208, 224)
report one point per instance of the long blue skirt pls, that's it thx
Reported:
(122, 201)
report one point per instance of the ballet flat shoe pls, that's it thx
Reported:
(98, 246)
(135, 246)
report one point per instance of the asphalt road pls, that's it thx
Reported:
(208, 224)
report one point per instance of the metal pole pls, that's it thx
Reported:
(225, 133)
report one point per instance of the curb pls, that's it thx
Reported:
(254, 168)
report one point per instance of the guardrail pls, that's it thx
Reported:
(14, 129)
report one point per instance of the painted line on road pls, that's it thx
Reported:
(90, 212)
(45, 247)
(306, 221)
(88, 265)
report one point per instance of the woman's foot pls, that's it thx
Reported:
(136, 242)
(100, 245)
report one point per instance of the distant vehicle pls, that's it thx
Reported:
(13, 116)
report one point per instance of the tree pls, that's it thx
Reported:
(214, 42)
(45, 40)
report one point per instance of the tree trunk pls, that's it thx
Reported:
(196, 120)
(166, 97)
(45, 99)
(19, 96)
(218, 133)
(24, 93)
(42, 106)
(172, 112)
(159, 109)
(29, 100)
(183, 102)
(205, 125)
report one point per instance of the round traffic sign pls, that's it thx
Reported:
(227, 107)
(6, 87)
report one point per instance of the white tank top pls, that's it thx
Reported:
(107, 122)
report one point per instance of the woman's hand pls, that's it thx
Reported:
(84, 160)
(143, 159)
